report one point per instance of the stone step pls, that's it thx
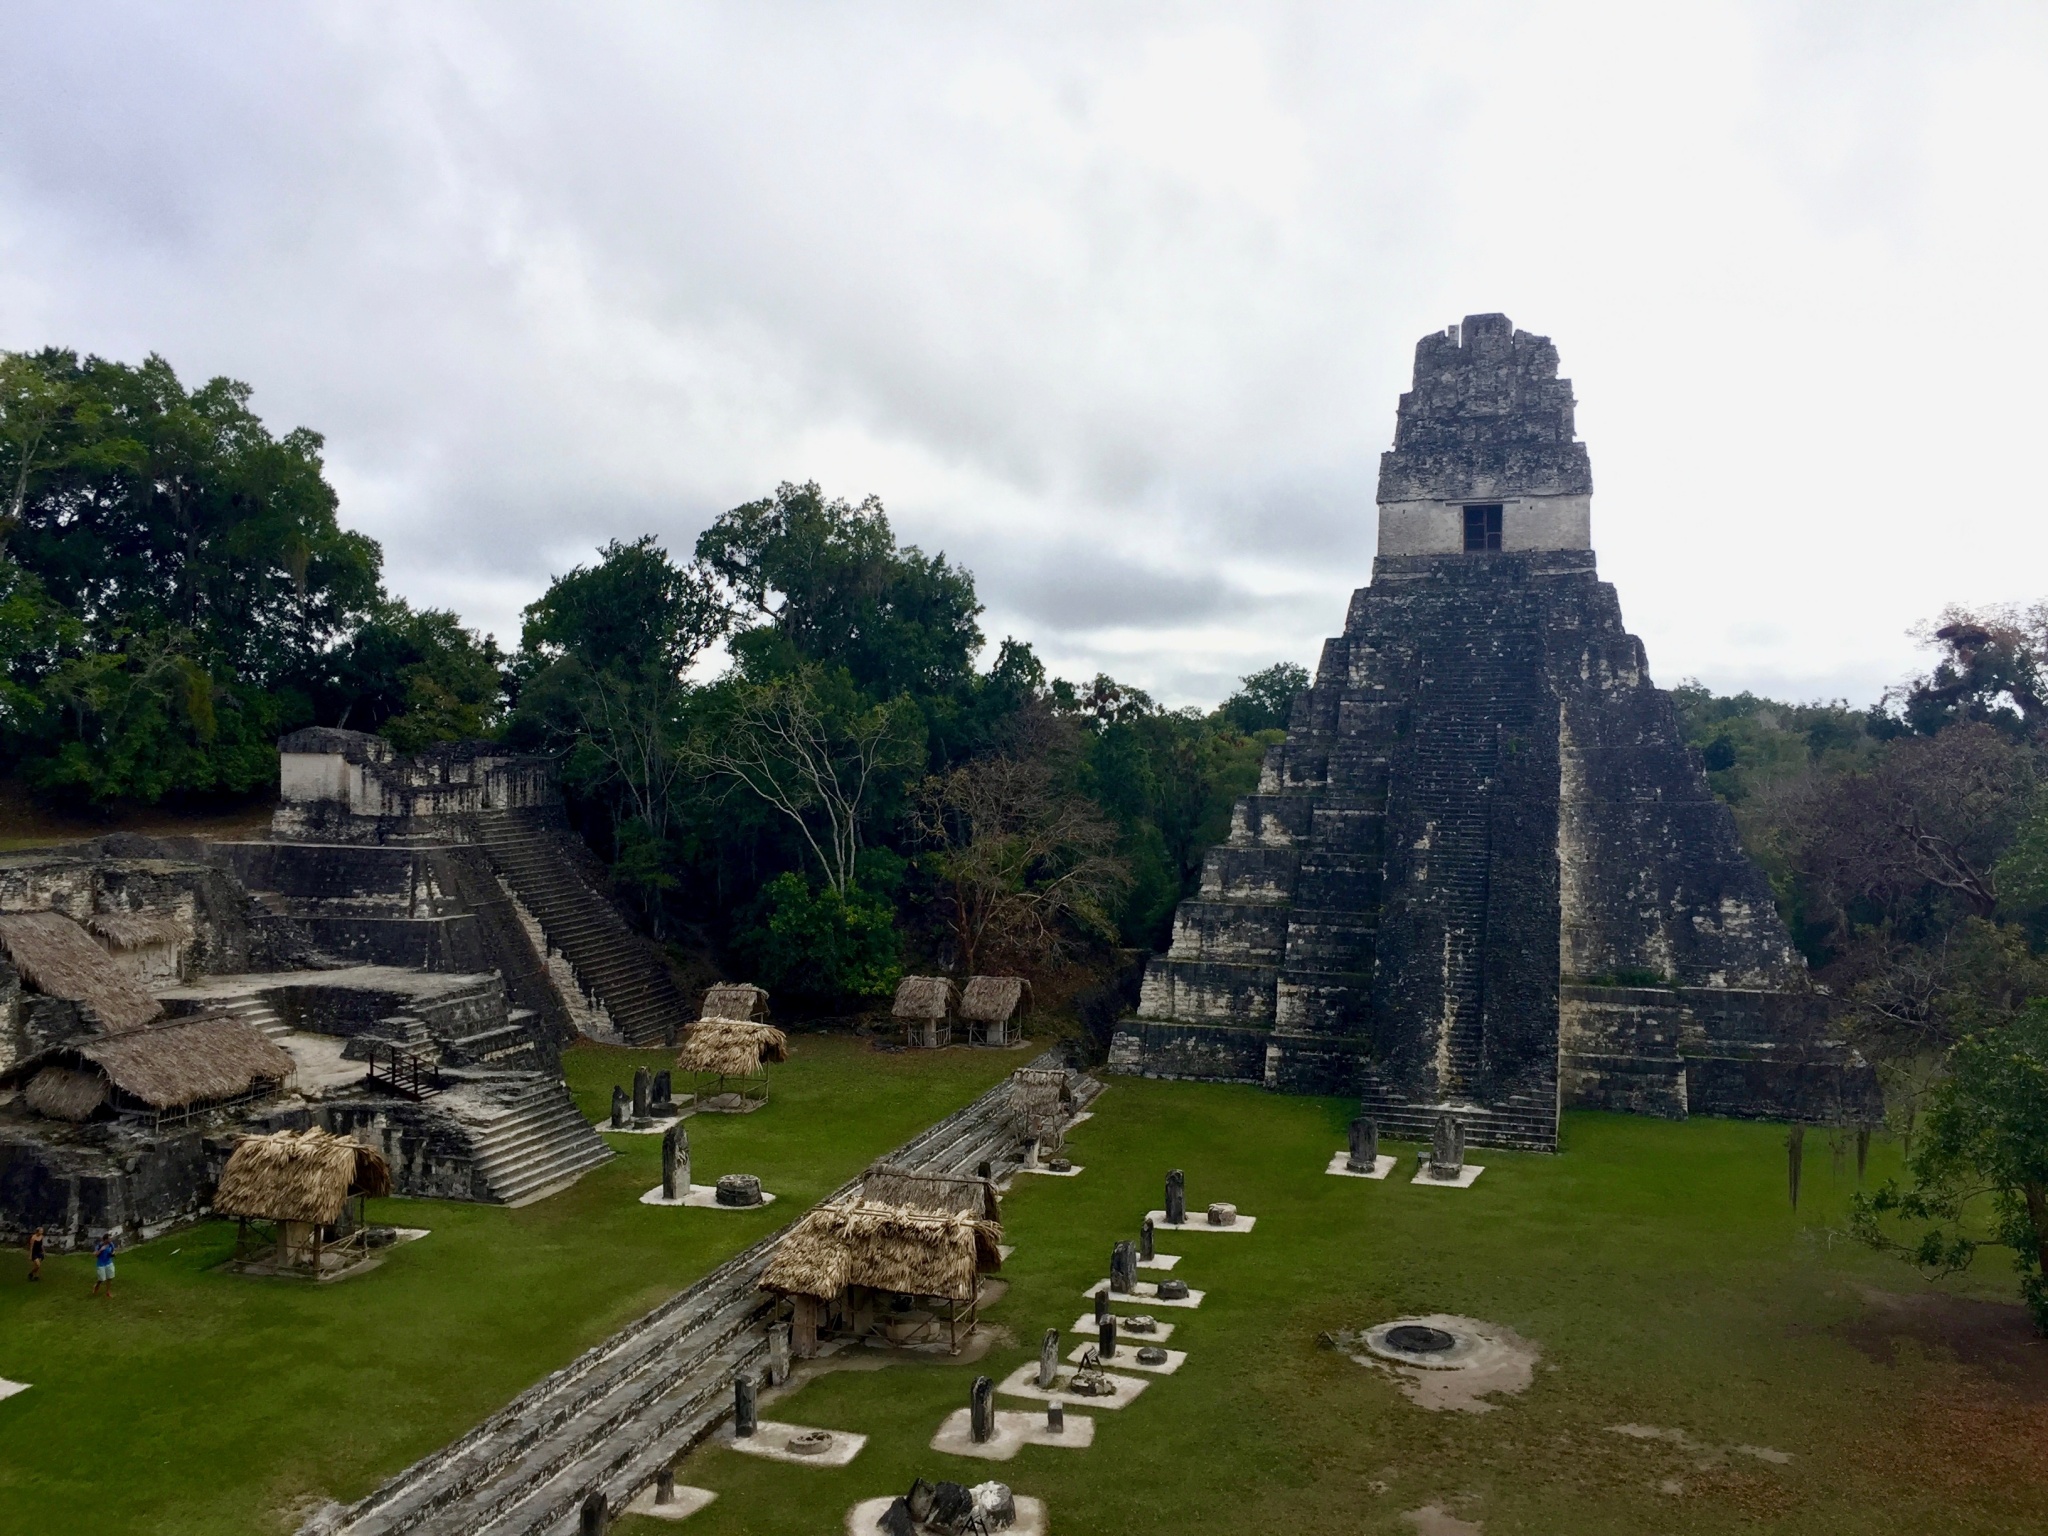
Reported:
(255, 1010)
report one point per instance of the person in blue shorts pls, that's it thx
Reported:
(103, 1264)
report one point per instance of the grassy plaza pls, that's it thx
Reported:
(206, 1403)
(1659, 1267)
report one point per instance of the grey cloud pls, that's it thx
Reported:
(1144, 281)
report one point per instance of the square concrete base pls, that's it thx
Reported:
(1197, 1222)
(1014, 1431)
(651, 1128)
(1464, 1179)
(1126, 1358)
(1381, 1166)
(865, 1518)
(685, 1504)
(9, 1388)
(1023, 1382)
(771, 1440)
(703, 1197)
(1146, 1292)
(1159, 1261)
(1085, 1323)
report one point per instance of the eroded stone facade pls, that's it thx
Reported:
(1485, 817)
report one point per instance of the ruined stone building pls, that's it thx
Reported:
(402, 959)
(1484, 872)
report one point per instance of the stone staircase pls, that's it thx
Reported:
(540, 1144)
(1526, 1119)
(614, 1417)
(253, 1009)
(611, 962)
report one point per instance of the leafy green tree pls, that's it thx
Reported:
(1264, 700)
(825, 943)
(605, 658)
(417, 677)
(178, 579)
(825, 581)
(814, 750)
(1991, 669)
(1985, 1144)
(178, 509)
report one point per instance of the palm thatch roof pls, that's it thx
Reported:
(993, 999)
(135, 930)
(937, 1194)
(887, 1248)
(63, 1093)
(1044, 1094)
(59, 959)
(298, 1176)
(176, 1065)
(735, 1000)
(730, 1047)
(924, 997)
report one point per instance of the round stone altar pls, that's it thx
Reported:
(1415, 1339)
(739, 1189)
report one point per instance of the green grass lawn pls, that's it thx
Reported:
(1658, 1266)
(199, 1401)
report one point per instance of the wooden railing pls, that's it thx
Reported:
(403, 1072)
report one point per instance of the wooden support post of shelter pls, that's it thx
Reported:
(900, 1259)
(926, 1005)
(728, 1061)
(1044, 1097)
(994, 1008)
(311, 1187)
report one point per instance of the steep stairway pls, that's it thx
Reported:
(611, 962)
(539, 1144)
(254, 1010)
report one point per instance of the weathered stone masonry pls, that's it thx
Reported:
(1482, 812)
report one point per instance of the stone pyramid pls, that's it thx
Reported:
(1484, 872)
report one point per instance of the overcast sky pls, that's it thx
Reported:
(1110, 303)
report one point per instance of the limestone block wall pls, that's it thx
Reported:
(1527, 523)
(431, 1156)
(101, 1179)
(350, 787)
(87, 878)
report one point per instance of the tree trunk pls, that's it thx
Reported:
(2037, 1212)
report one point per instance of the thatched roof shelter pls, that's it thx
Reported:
(993, 999)
(735, 1000)
(139, 930)
(937, 1194)
(180, 1065)
(304, 1176)
(1045, 1098)
(64, 1093)
(60, 959)
(924, 997)
(886, 1248)
(730, 1047)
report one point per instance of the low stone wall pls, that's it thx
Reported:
(1206, 1053)
(431, 1156)
(79, 1184)
(412, 943)
(1747, 1054)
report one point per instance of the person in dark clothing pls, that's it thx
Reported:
(35, 1255)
